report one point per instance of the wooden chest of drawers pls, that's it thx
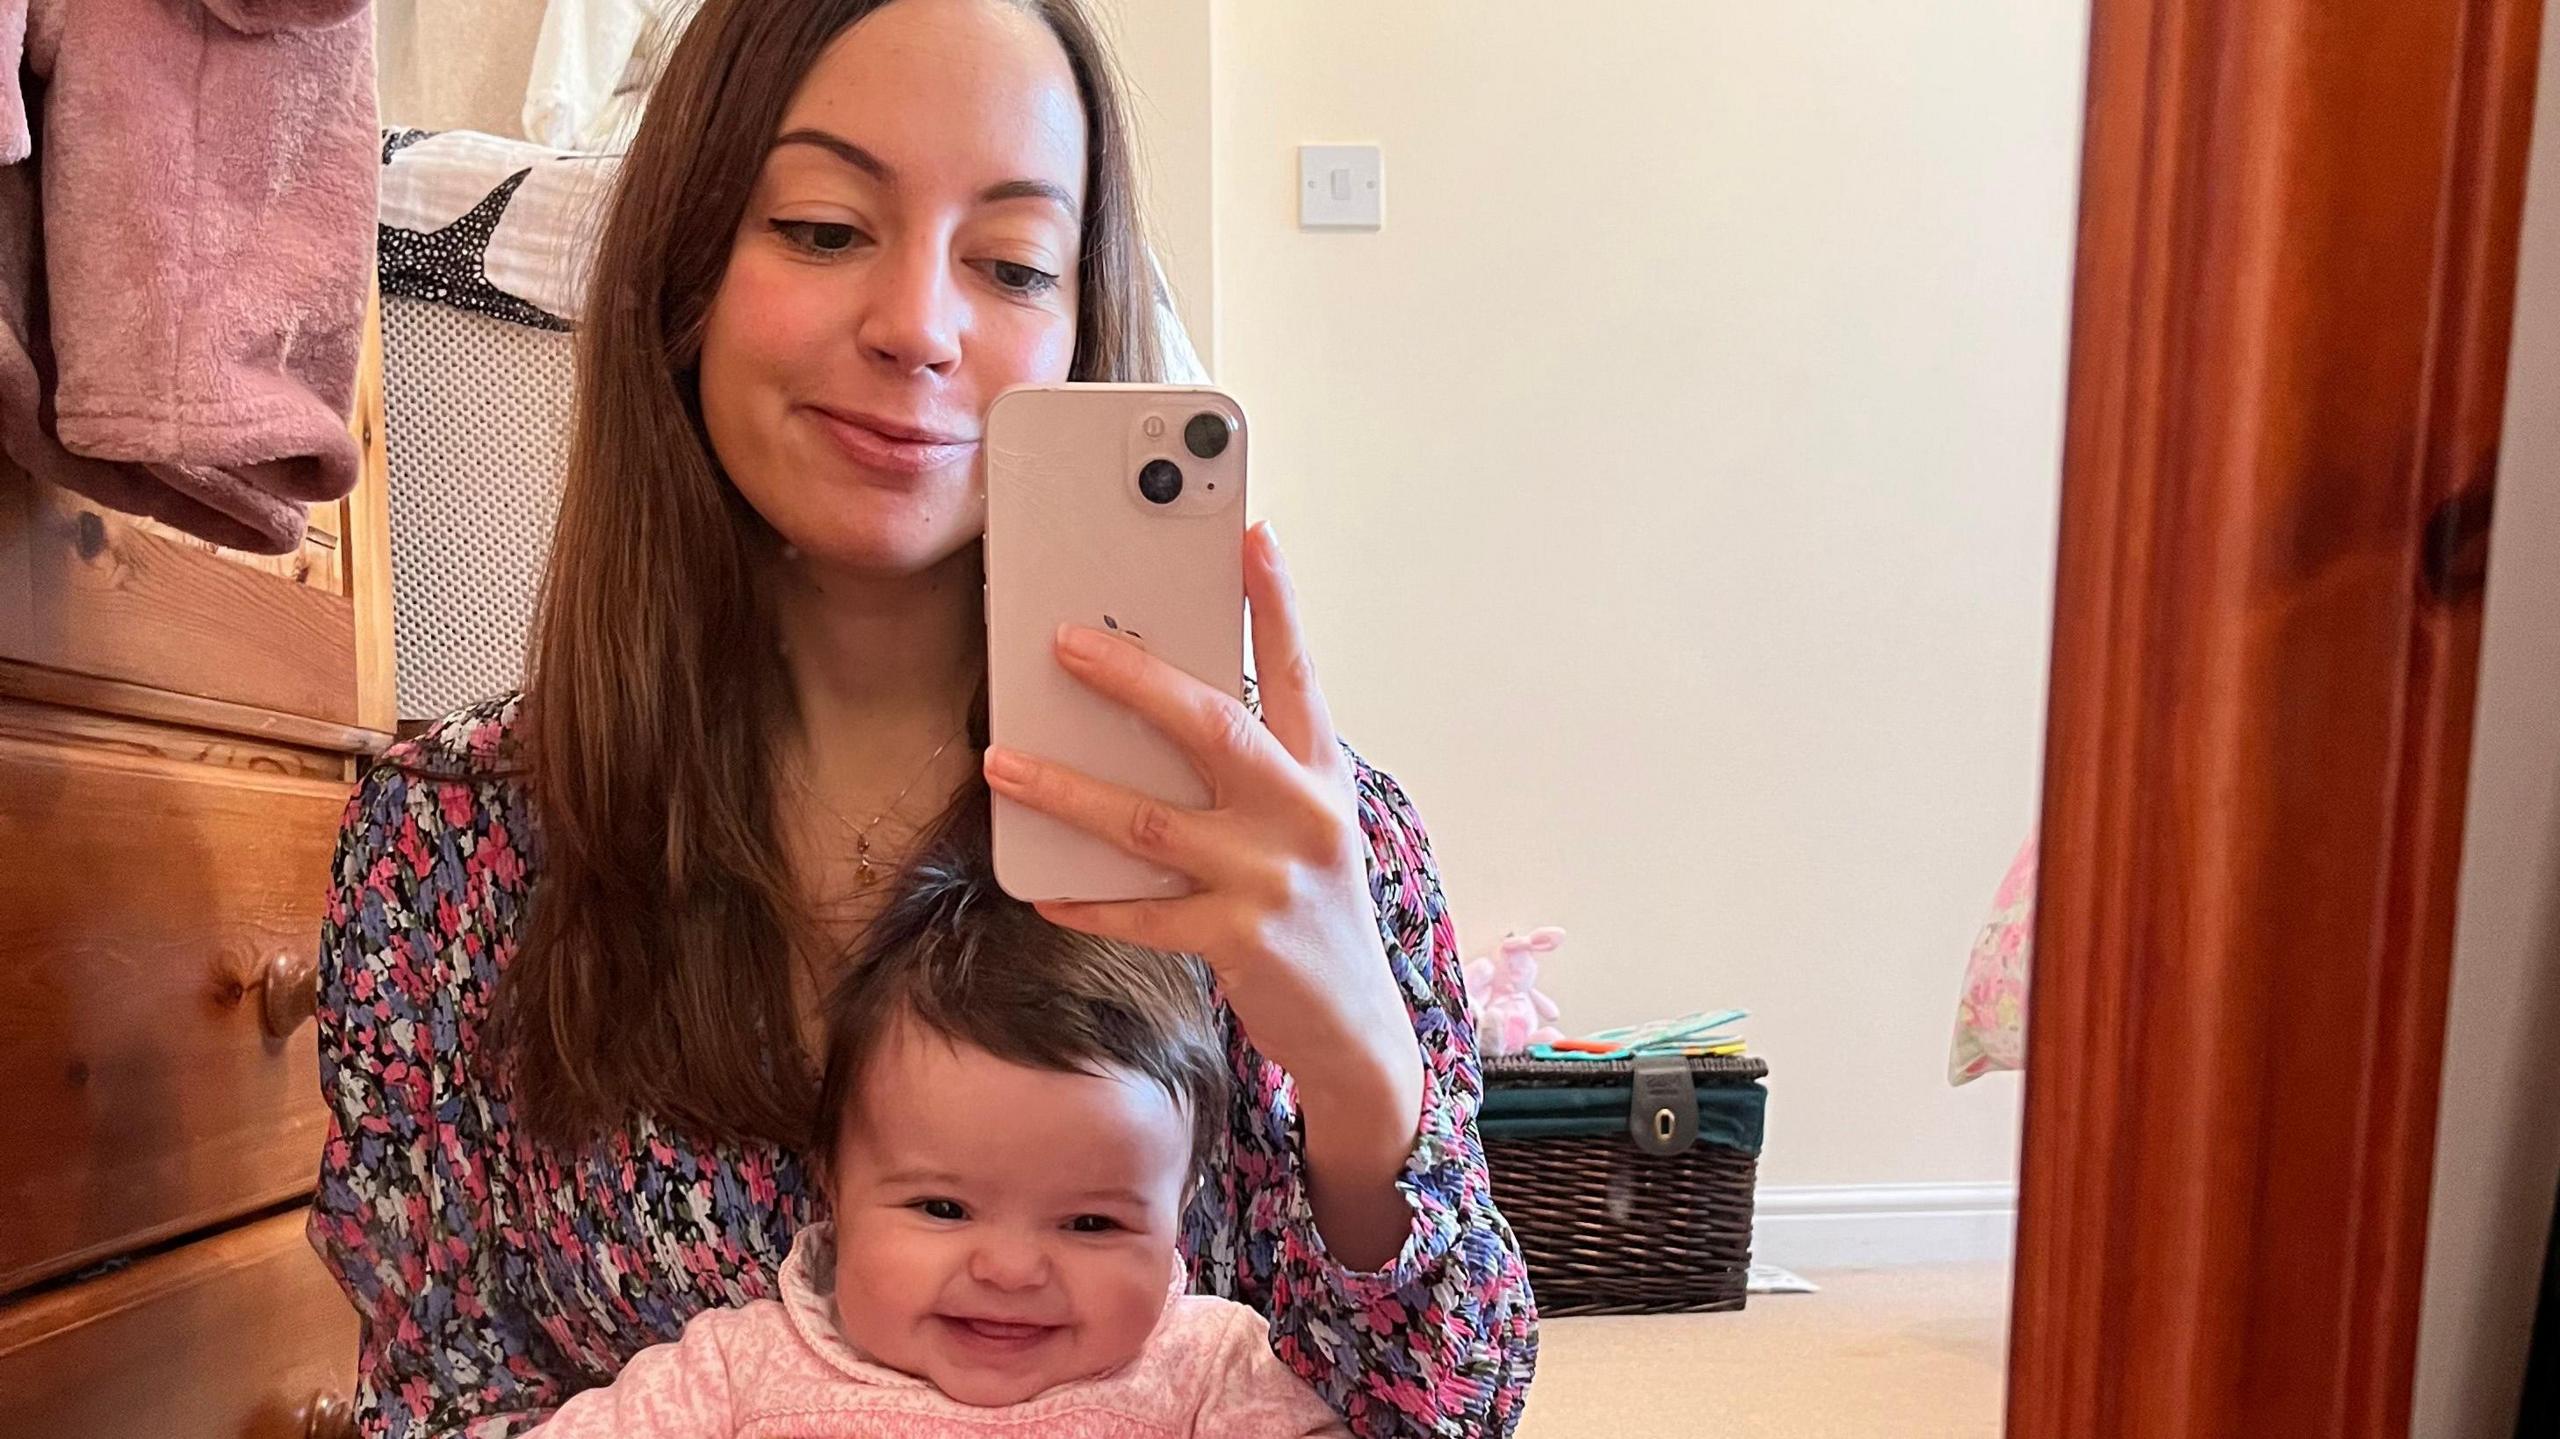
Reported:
(241, 1335)
(179, 730)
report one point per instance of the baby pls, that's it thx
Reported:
(1014, 1117)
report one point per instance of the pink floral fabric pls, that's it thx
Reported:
(1991, 1017)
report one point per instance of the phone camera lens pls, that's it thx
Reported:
(1207, 434)
(1160, 482)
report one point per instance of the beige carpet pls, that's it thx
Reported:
(1914, 1353)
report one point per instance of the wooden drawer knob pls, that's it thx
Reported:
(289, 992)
(329, 1416)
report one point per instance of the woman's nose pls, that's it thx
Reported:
(1005, 1261)
(911, 320)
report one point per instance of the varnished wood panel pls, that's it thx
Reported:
(367, 544)
(243, 1336)
(143, 901)
(316, 564)
(2295, 277)
(17, 562)
(38, 685)
(77, 729)
(115, 599)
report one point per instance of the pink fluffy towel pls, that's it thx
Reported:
(186, 245)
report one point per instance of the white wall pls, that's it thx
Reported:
(1673, 482)
(1164, 51)
(2498, 1137)
(456, 64)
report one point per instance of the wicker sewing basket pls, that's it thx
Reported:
(1606, 1227)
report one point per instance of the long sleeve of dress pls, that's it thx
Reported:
(1440, 1342)
(404, 1213)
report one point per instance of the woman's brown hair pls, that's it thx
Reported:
(654, 973)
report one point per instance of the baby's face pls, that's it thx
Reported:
(1001, 1230)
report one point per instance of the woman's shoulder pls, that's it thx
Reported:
(474, 748)
(474, 743)
(453, 792)
(433, 868)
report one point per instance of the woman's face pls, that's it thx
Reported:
(909, 252)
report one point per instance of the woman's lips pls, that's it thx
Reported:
(893, 448)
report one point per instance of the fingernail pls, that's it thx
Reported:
(1271, 539)
(1079, 642)
(1006, 767)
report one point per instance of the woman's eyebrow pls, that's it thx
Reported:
(1029, 190)
(843, 149)
(878, 169)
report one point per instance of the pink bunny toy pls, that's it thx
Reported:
(1502, 993)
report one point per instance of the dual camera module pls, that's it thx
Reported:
(1206, 435)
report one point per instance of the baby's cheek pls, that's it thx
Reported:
(848, 1275)
(881, 1283)
(1136, 1286)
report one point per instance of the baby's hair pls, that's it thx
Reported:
(955, 955)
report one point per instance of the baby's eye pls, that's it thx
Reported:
(946, 1210)
(817, 237)
(1094, 1224)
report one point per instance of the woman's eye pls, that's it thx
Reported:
(817, 237)
(1021, 279)
(946, 1210)
(1094, 1224)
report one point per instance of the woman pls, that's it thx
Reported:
(579, 937)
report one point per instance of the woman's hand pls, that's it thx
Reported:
(1281, 908)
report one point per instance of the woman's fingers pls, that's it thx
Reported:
(1182, 926)
(1184, 840)
(1292, 704)
(1222, 738)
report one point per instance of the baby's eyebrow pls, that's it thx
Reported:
(904, 1177)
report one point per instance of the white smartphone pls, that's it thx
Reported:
(1120, 507)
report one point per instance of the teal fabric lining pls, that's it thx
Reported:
(1731, 1115)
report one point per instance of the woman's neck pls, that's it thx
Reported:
(882, 669)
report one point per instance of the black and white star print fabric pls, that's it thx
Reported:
(501, 227)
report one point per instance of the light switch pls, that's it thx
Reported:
(1341, 187)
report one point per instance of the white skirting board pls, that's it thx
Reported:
(1866, 1226)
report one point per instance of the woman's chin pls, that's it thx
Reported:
(884, 552)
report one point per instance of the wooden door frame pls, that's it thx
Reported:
(2294, 292)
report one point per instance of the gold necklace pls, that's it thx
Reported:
(862, 832)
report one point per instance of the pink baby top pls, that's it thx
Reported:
(780, 1367)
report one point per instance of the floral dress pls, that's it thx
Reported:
(496, 1276)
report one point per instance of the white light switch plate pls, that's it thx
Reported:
(1341, 187)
